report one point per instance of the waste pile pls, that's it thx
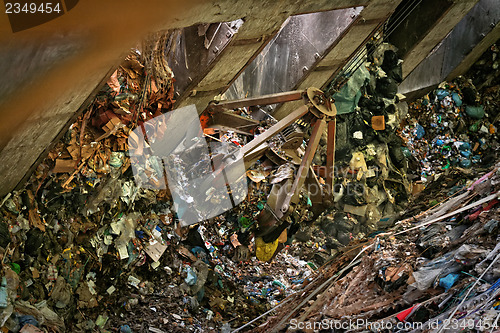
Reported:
(371, 172)
(435, 270)
(455, 125)
(85, 248)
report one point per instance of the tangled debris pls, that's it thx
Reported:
(85, 248)
(429, 271)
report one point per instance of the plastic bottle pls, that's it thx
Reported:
(3, 293)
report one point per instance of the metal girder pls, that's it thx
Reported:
(275, 129)
(230, 121)
(261, 100)
(292, 196)
(330, 155)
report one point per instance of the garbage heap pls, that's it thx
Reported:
(371, 172)
(455, 125)
(84, 248)
(438, 269)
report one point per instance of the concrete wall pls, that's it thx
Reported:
(49, 71)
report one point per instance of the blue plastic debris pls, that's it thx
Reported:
(125, 329)
(27, 319)
(3, 293)
(448, 281)
(457, 99)
(441, 94)
(465, 163)
(464, 146)
(200, 253)
(466, 153)
(191, 277)
(419, 131)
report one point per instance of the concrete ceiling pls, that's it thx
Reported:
(52, 71)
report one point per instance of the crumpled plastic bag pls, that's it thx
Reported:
(61, 293)
(424, 279)
(348, 97)
(42, 313)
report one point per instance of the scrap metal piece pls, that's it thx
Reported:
(300, 178)
(228, 121)
(262, 100)
(321, 102)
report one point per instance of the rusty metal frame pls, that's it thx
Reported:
(320, 109)
(288, 96)
(330, 154)
(312, 146)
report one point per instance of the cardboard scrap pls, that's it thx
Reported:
(417, 187)
(378, 123)
(28, 328)
(35, 272)
(63, 166)
(155, 250)
(186, 253)
(113, 82)
(358, 162)
(356, 210)
(393, 273)
(111, 125)
(235, 241)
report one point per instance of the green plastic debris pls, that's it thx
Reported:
(348, 96)
(475, 112)
(312, 265)
(474, 127)
(15, 267)
(101, 320)
(433, 203)
(279, 284)
(245, 222)
(261, 205)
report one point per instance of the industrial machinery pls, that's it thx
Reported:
(319, 111)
